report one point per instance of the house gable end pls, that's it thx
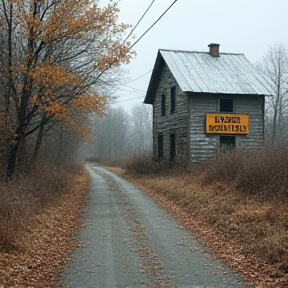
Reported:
(155, 79)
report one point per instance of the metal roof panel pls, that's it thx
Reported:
(227, 74)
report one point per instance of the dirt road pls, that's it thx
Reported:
(129, 241)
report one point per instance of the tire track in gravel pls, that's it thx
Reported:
(141, 241)
(128, 241)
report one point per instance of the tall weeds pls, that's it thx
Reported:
(144, 165)
(244, 194)
(27, 195)
(256, 172)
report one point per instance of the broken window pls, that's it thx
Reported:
(227, 143)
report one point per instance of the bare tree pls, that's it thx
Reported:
(141, 131)
(120, 135)
(274, 65)
(112, 134)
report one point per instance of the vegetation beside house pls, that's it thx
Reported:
(237, 205)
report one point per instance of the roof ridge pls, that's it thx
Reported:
(202, 52)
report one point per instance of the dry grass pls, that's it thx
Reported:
(28, 195)
(243, 196)
(44, 215)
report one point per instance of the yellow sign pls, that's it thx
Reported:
(227, 123)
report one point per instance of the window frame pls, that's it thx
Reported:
(172, 147)
(173, 93)
(163, 104)
(160, 146)
(227, 147)
(222, 109)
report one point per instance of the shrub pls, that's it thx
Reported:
(262, 172)
(144, 165)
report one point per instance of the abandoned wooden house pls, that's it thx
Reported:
(204, 102)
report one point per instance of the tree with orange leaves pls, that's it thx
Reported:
(55, 55)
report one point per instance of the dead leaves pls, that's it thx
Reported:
(250, 268)
(45, 246)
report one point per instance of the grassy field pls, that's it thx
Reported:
(238, 205)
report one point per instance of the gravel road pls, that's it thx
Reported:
(129, 241)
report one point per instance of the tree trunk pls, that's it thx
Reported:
(10, 79)
(38, 143)
(12, 157)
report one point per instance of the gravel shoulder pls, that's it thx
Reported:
(129, 241)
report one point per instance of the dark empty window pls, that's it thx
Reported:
(173, 99)
(227, 143)
(163, 104)
(172, 147)
(226, 105)
(160, 146)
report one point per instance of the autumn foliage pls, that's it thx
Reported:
(55, 57)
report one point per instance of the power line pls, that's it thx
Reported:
(126, 94)
(152, 25)
(137, 42)
(127, 99)
(134, 89)
(136, 78)
(130, 90)
(139, 21)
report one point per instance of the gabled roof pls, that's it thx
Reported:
(202, 73)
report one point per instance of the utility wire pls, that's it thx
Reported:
(114, 102)
(138, 41)
(139, 21)
(152, 25)
(136, 78)
(134, 89)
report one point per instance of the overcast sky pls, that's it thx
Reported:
(239, 26)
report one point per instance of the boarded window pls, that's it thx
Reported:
(160, 146)
(226, 105)
(163, 104)
(227, 143)
(172, 147)
(172, 99)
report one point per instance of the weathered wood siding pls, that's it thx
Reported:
(172, 123)
(187, 123)
(254, 106)
(204, 147)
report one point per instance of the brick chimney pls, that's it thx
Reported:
(214, 49)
